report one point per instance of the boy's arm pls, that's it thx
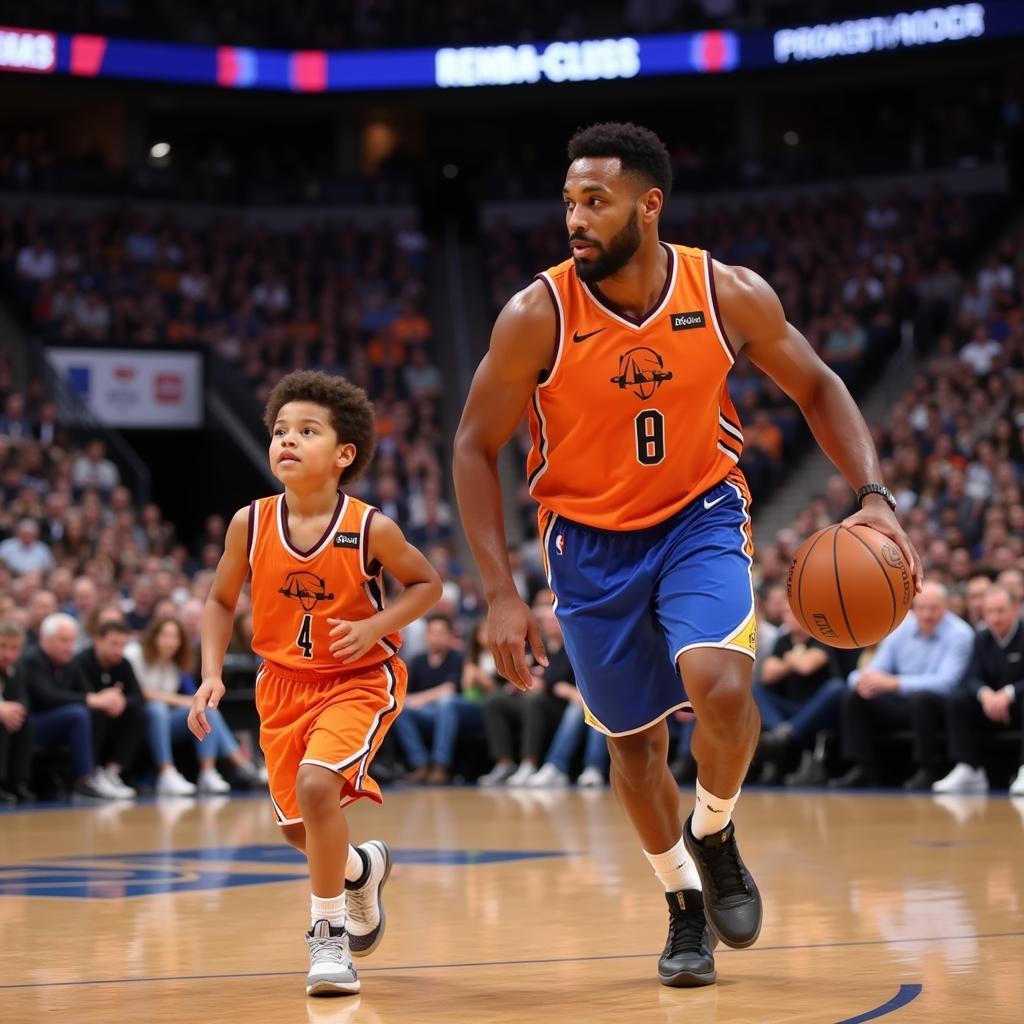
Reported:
(218, 620)
(387, 545)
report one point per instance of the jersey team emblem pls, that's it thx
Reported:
(307, 588)
(642, 371)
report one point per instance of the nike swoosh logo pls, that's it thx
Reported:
(583, 337)
(712, 504)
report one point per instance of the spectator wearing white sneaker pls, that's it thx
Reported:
(119, 722)
(991, 697)
(572, 732)
(163, 662)
(61, 711)
(534, 715)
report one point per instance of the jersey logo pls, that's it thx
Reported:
(346, 540)
(307, 588)
(577, 337)
(687, 321)
(642, 371)
(560, 543)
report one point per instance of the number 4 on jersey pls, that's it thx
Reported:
(304, 641)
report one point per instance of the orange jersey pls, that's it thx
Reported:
(295, 592)
(634, 420)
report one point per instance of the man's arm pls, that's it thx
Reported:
(884, 659)
(45, 693)
(974, 680)
(755, 321)
(130, 683)
(522, 348)
(955, 657)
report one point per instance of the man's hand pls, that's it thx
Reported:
(877, 514)
(12, 715)
(567, 692)
(996, 705)
(871, 683)
(207, 696)
(110, 700)
(351, 640)
(510, 625)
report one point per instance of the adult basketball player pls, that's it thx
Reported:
(621, 354)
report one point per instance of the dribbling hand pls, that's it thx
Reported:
(877, 514)
(510, 626)
(207, 696)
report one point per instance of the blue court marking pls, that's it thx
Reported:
(162, 871)
(906, 994)
(140, 801)
(71, 881)
(281, 853)
(520, 963)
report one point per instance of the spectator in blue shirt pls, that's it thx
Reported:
(905, 686)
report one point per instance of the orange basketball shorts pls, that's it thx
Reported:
(336, 721)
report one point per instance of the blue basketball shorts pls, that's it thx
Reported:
(629, 603)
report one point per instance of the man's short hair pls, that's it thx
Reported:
(8, 627)
(106, 628)
(640, 152)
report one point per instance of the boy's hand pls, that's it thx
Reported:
(351, 640)
(207, 696)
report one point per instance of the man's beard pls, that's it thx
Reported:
(619, 252)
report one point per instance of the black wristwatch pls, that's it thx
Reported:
(890, 498)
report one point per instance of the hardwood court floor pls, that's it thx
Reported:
(902, 908)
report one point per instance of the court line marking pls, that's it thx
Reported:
(509, 963)
(906, 994)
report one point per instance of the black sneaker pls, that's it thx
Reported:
(731, 899)
(689, 959)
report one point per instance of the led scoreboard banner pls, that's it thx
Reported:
(36, 51)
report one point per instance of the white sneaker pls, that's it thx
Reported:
(522, 775)
(252, 774)
(211, 781)
(1017, 786)
(98, 785)
(172, 783)
(962, 779)
(497, 776)
(330, 963)
(364, 908)
(118, 787)
(547, 777)
(590, 778)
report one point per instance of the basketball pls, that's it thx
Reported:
(849, 587)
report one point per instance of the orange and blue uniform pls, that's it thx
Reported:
(643, 508)
(313, 709)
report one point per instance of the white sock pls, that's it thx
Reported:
(328, 908)
(353, 866)
(675, 868)
(712, 813)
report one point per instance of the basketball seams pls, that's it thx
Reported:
(885, 575)
(839, 587)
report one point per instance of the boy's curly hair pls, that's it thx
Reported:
(351, 411)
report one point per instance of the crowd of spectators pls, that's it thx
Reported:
(90, 586)
(104, 598)
(952, 451)
(334, 298)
